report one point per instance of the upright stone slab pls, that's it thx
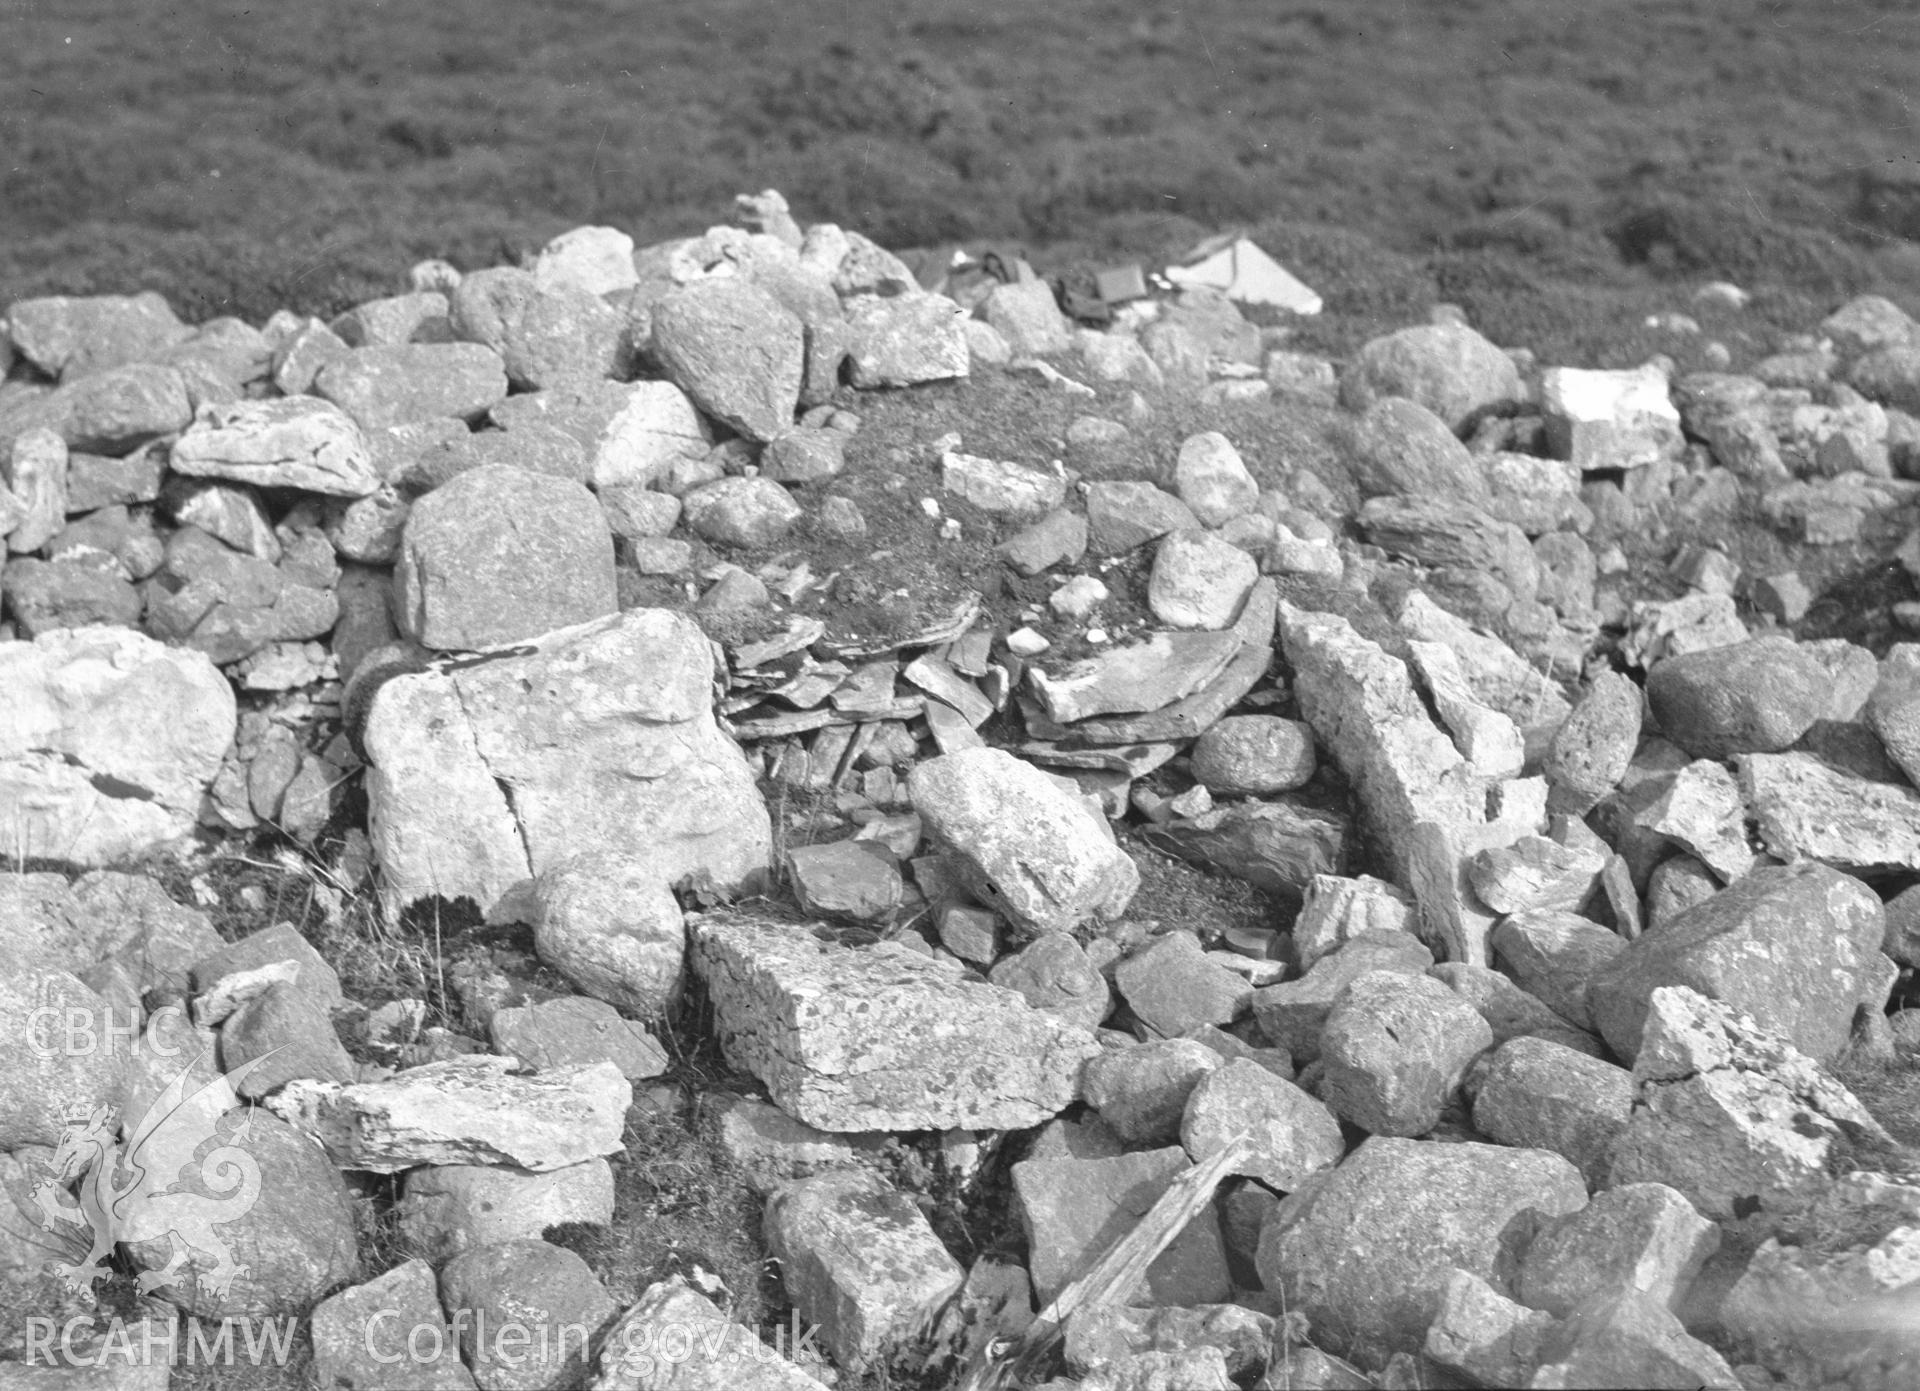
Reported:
(1423, 802)
(880, 1038)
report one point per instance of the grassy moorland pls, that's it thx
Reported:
(1545, 163)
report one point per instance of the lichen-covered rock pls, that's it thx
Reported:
(1590, 753)
(108, 740)
(880, 1038)
(735, 350)
(1732, 1114)
(1538, 1094)
(1396, 1048)
(1796, 947)
(859, 1261)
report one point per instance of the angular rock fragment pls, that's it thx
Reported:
(607, 726)
(1534, 872)
(1172, 987)
(1806, 809)
(1797, 948)
(1274, 845)
(1334, 908)
(904, 340)
(1396, 1048)
(1142, 1092)
(1293, 1013)
(859, 1261)
(1555, 955)
(1732, 1114)
(108, 740)
(1629, 1340)
(294, 442)
(1701, 810)
(1448, 368)
(1032, 852)
(1141, 677)
(500, 555)
(1640, 1237)
(1618, 419)
(881, 1039)
(468, 1110)
(1294, 1136)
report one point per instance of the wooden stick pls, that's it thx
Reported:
(1112, 1277)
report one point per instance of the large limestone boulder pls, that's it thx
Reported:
(606, 739)
(108, 741)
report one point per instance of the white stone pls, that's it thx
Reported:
(108, 741)
(658, 426)
(598, 260)
(1610, 419)
(607, 726)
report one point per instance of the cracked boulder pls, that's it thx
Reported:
(108, 742)
(483, 776)
(1731, 1114)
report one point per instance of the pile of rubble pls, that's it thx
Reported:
(1526, 1083)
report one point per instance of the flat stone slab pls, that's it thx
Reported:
(467, 1110)
(1135, 679)
(880, 1038)
(295, 442)
(1810, 810)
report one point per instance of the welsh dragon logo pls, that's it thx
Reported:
(138, 1189)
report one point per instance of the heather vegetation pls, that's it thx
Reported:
(1548, 166)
